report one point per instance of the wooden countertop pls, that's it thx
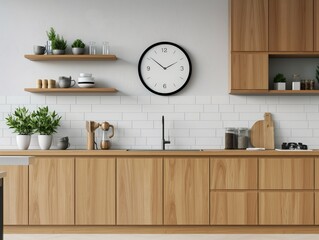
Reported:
(206, 152)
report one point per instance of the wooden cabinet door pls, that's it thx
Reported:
(94, 191)
(139, 191)
(316, 25)
(233, 208)
(249, 71)
(186, 191)
(15, 199)
(51, 191)
(286, 173)
(286, 208)
(233, 173)
(249, 25)
(317, 208)
(316, 173)
(291, 25)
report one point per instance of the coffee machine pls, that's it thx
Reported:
(91, 126)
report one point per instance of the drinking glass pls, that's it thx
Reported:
(92, 48)
(105, 48)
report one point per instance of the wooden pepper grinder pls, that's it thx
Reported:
(91, 126)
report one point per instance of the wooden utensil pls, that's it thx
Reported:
(262, 133)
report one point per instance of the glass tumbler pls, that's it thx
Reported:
(105, 48)
(92, 48)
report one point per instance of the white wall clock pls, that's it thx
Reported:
(164, 68)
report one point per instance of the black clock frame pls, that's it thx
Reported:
(140, 74)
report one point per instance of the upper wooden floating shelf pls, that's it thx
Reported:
(70, 90)
(274, 92)
(71, 57)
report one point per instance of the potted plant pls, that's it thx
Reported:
(22, 123)
(45, 123)
(78, 47)
(59, 45)
(51, 36)
(280, 82)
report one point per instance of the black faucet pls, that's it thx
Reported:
(163, 135)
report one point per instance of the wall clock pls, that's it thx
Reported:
(164, 68)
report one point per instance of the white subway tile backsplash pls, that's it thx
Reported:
(190, 121)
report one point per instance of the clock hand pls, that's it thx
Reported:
(158, 63)
(170, 65)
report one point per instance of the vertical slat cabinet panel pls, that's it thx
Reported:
(233, 208)
(15, 195)
(249, 25)
(139, 191)
(95, 191)
(291, 25)
(51, 191)
(186, 191)
(286, 208)
(233, 173)
(286, 173)
(249, 71)
(316, 25)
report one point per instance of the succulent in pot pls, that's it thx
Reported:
(78, 47)
(59, 45)
(22, 123)
(46, 123)
(280, 82)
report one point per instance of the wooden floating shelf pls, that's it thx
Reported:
(71, 57)
(274, 92)
(293, 54)
(71, 90)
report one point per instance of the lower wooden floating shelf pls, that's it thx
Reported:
(71, 90)
(70, 57)
(274, 92)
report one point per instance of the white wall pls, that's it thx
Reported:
(196, 117)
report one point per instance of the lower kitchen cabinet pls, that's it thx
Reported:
(15, 195)
(51, 191)
(95, 191)
(186, 191)
(286, 208)
(233, 208)
(139, 191)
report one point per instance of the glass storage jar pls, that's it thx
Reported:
(242, 138)
(231, 138)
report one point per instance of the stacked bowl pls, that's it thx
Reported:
(86, 80)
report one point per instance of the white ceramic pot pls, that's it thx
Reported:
(58, 52)
(78, 51)
(280, 86)
(45, 141)
(23, 141)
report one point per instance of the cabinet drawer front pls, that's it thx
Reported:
(233, 173)
(286, 208)
(286, 173)
(233, 208)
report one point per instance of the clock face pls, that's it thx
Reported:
(164, 68)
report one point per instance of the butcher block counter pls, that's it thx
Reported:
(136, 191)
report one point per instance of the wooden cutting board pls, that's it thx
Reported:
(262, 133)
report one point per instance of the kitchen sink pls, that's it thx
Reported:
(167, 150)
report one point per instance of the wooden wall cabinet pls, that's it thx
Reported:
(291, 25)
(249, 25)
(51, 191)
(139, 191)
(249, 71)
(233, 195)
(15, 195)
(186, 191)
(95, 191)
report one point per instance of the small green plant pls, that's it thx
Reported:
(78, 44)
(279, 78)
(59, 43)
(21, 121)
(51, 34)
(45, 122)
(317, 73)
